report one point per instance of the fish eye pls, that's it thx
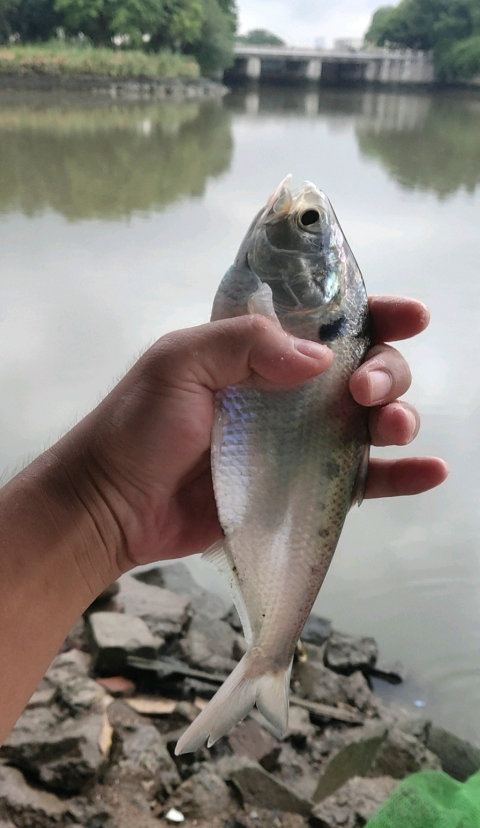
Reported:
(309, 217)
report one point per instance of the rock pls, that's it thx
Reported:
(115, 636)
(251, 740)
(44, 695)
(64, 756)
(104, 600)
(402, 754)
(358, 692)
(262, 789)
(316, 631)
(354, 803)
(177, 578)
(354, 758)
(73, 687)
(165, 612)
(317, 683)
(300, 728)
(209, 645)
(458, 757)
(143, 755)
(345, 653)
(202, 796)
(26, 806)
(394, 672)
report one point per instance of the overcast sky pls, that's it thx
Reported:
(300, 23)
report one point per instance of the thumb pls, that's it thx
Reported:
(228, 351)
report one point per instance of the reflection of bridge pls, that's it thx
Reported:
(288, 65)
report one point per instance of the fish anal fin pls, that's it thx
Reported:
(219, 557)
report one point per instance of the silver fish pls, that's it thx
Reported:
(287, 464)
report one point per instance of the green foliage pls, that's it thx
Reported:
(261, 37)
(33, 20)
(101, 20)
(59, 58)
(449, 27)
(214, 48)
(178, 25)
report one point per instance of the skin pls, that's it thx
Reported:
(131, 482)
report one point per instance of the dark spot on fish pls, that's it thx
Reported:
(324, 533)
(365, 330)
(309, 217)
(332, 469)
(332, 330)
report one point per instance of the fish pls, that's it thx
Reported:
(287, 463)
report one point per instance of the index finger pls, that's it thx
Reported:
(396, 317)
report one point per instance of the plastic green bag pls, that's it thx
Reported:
(431, 799)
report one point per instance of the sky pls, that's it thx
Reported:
(301, 24)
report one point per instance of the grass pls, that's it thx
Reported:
(59, 58)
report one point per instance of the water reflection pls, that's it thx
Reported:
(425, 141)
(106, 161)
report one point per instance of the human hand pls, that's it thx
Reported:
(141, 460)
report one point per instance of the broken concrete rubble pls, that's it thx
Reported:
(79, 757)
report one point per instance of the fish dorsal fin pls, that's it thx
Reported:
(218, 556)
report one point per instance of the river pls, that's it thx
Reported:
(117, 222)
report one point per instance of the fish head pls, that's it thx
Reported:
(296, 246)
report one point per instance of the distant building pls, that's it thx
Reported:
(348, 44)
(320, 43)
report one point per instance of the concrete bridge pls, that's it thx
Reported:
(282, 64)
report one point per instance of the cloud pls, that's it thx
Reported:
(300, 24)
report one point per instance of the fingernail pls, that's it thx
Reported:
(380, 383)
(309, 348)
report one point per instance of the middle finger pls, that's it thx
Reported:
(382, 378)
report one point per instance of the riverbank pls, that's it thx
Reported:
(95, 744)
(126, 74)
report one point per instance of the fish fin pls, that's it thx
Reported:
(361, 478)
(245, 685)
(262, 302)
(218, 556)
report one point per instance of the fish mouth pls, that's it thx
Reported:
(307, 205)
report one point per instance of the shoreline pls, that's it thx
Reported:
(95, 744)
(116, 88)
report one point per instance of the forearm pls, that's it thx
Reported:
(53, 563)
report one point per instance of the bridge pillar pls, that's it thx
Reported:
(253, 68)
(313, 69)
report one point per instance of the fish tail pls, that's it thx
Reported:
(246, 686)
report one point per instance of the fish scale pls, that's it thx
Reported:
(286, 464)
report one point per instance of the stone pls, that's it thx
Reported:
(142, 755)
(201, 796)
(116, 636)
(165, 612)
(354, 758)
(177, 577)
(393, 672)
(319, 684)
(209, 645)
(354, 803)
(264, 790)
(316, 630)
(63, 756)
(458, 757)
(402, 754)
(345, 653)
(26, 806)
(358, 692)
(104, 600)
(44, 694)
(73, 687)
(300, 727)
(251, 740)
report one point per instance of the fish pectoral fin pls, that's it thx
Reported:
(245, 686)
(262, 302)
(358, 490)
(219, 557)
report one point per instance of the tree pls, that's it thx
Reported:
(261, 37)
(214, 47)
(178, 25)
(101, 20)
(451, 28)
(33, 20)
